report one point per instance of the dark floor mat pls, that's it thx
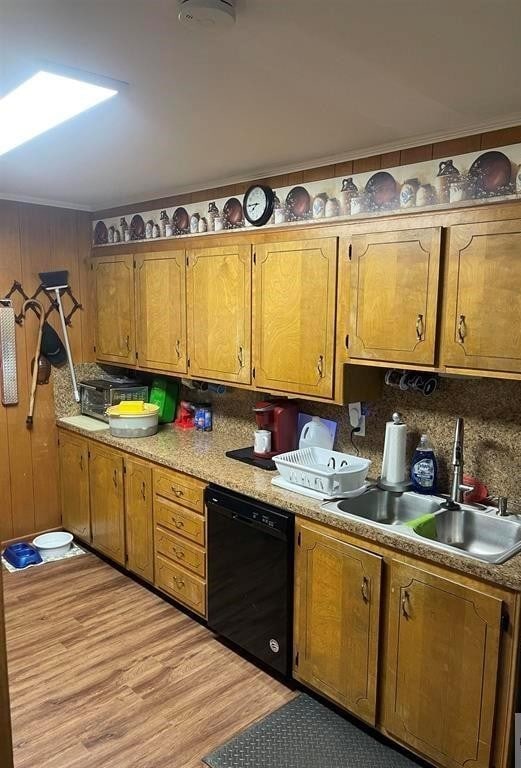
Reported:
(306, 734)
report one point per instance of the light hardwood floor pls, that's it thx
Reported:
(104, 674)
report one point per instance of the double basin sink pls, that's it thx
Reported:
(473, 532)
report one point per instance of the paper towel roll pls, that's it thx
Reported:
(393, 466)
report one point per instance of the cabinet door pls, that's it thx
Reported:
(294, 316)
(442, 664)
(219, 313)
(337, 607)
(483, 317)
(114, 296)
(394, 296)
(139, 518)
(74, 485)
(161, 311)
(107, 502)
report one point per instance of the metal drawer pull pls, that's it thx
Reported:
(405, 605)
(81, 462)
(177, 492)
(178, 523)
(178, 349)
(115, 478)
(462, 329)
(365, 589)
(143, 489)
(240, 357)
(419, 327)
(320, 366)
(178, 582)
(127, 341)
(178, 553)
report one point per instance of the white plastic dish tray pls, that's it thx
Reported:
(329, 472)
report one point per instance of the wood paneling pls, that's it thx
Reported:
(416, 155)
(6, 755)
(140, 684)
(35, 239)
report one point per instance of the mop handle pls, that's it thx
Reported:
(67, 347)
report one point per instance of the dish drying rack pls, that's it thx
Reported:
(328, 473)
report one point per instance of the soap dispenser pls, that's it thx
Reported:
(424, 468)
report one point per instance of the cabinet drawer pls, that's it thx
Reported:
(188, 555)
(181, 488)
(181, 585)
(181, 521)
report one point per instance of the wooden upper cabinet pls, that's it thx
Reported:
(394, 296)
(114, 296)
(294, 316)
(74, 485)
(219, 313)
(161, 311)
(107, 500)
(443, 646)
(139, 518)
(337, 608)
(483, 299)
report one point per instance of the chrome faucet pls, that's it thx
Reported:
(457, 485)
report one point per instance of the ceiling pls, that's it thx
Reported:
(294, 83)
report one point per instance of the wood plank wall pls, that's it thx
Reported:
(34, 239)
(439, 150)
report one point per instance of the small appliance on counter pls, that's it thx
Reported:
(276, 433)
(96, 395)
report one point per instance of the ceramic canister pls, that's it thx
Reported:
(332, 208)
(319, 206)
(446, 173)
(408, 193)
(194, 223)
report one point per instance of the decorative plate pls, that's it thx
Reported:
(101, 235)
(492, 173)
(298, 203)
(233, 213)
(181, 221)
(137, 227)
(382, 190)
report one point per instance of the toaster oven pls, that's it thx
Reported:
(96, 395)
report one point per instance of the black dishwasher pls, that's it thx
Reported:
(250, 576)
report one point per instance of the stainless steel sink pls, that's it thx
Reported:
(480, 535)
(389, 508)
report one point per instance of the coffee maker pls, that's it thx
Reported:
(280, 417)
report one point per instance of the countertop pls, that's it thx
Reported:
(202, 454)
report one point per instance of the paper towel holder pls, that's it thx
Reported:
(384, 484)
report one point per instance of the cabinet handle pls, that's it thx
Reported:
(177, 492)
(143, 490)
(462, 329)
(127, 342)
(364, 589)
(178, 581)
(178, 349)
(81, 462)
(115, 478)
(419, 327)
(320, 366)
(405, 605)
(178, 553)
(240, 357)
(178, 523)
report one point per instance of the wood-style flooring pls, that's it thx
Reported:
(104, 674)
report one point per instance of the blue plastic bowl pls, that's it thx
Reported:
(21, 555)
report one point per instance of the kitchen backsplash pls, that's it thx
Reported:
(491, 409)
(465, 179)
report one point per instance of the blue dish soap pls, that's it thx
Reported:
(424, 469)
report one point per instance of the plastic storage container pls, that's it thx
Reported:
(133, 419)
(424, 468)
(165, 393)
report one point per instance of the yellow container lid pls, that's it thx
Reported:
(133, 408)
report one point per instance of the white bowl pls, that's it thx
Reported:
(51, 545)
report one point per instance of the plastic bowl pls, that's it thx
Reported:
(51, 545)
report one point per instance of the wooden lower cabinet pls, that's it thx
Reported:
(74, 485)
(138, 518)
(442, 662)
(337, 609)
(181, 585)
(107, 502)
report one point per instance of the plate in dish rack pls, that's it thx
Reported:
(320, 496)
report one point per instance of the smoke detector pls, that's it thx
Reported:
(207, 13)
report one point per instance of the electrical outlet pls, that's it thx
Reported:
(357, 418)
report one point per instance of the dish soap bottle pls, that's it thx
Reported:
(424, 469)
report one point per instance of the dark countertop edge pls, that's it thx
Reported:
(310, 509)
